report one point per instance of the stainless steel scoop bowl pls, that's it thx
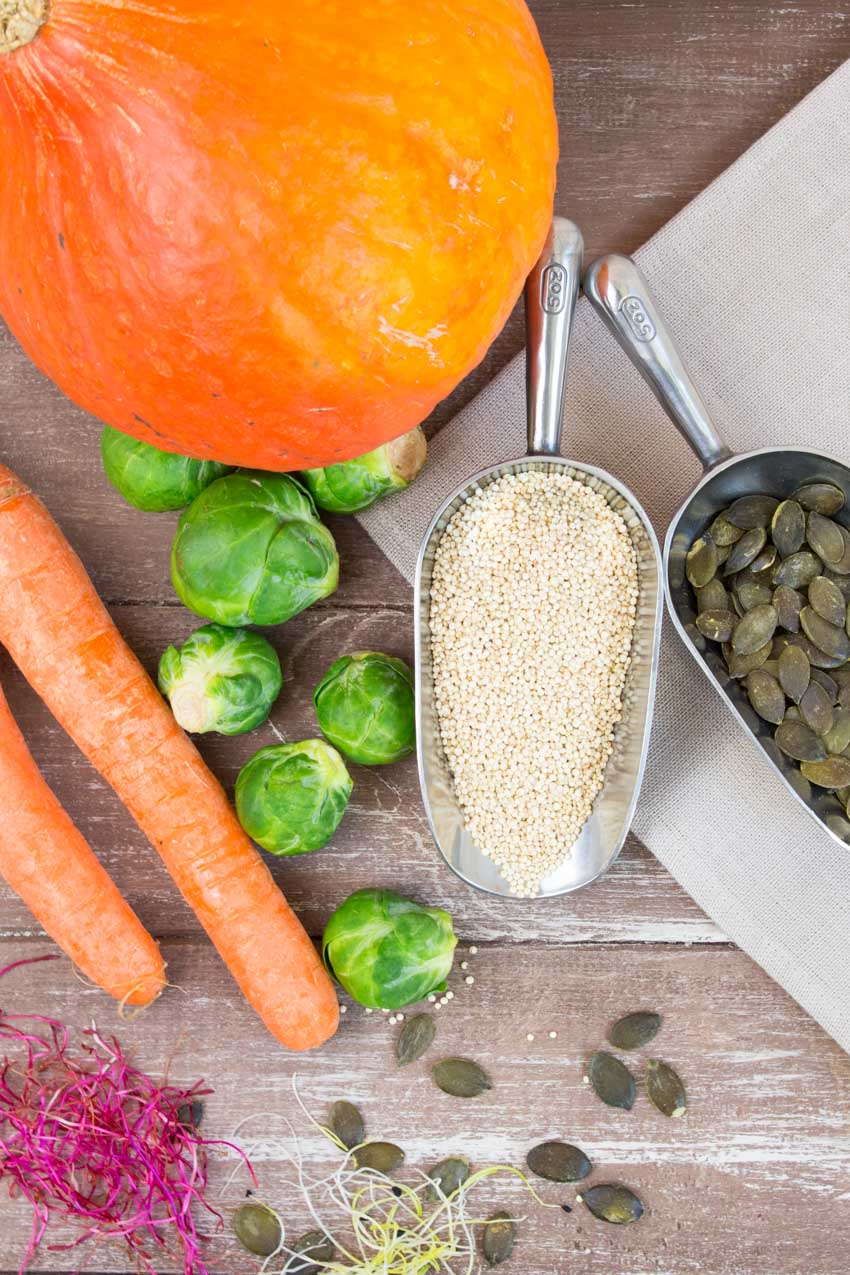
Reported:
(550, 304)
(621, 295)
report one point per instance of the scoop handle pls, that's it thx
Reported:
(621, 296)
(550, 303)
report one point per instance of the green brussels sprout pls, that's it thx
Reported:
(291, 797)
(365, 706)
(387, 951)
(251, 550)
(355, 484)
(220, 679)
(151, 479)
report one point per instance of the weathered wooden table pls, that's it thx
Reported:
(655, 98)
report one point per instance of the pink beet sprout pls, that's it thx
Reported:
(87, 1137)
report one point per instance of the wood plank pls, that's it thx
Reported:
(384, 838)
(752, 1181)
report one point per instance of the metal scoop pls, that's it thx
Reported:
(621, 295)
(550, 300)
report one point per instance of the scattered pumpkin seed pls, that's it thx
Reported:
(817, 658)
(701, 563)
(825, 538)
(826, 598)
(799, 741)
(717, 625)
(754, 630)
(751, 593)
(415, 1038)
(498, 1239)
(461, 1077)
(788, 604)
(816, 708)
(713, 597)
(833, 772)
(664, 1088)
(828, 683)
(844, 696)
(310, 1253)
(745, 551)
(611, 1080)
(788, 527)
(763, 561)
(635, 1030)
(613, 1203)
(798, 569)
(724, 533)
(347, 1123)
(448, 1175)
(558, 1162)
(829, 638)
(258, 1228)
(823, 498)
(766, 696)
(751, 511)
(794, 672)
(741, 665)
(842, 568)
(383, 1157)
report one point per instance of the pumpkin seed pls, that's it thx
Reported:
(844, 696)
(788, 604)
(664, 1088)
(826, 598)
(498, 1240)
(258, 1228)
(763, 561)
(832, 772)
(824, 537)
(611, 1080)
(799, 741)
(752, 593)
(830, 639)
(837, 738)
(558, 1162)
(798, 569)
(310, 1252)
(754, 630)
(794, 672)
(383, 1157)
(723, 532)
(788, 527)
(713, 597)
(799, 783)
(839, 577)
(792, 714)
(817, 658)
(766, 696)
(842, 568)
(816, 707)
(347, 1123)
(717, 625)
(741, 665)
(461, 1077)
(828, 683)
(745, 551)
(751, 511)
(839, 827)
(613, 1203)
(447, 1177)
(634, 1030)
(415, 1038)
(823, 498)
(701, 563)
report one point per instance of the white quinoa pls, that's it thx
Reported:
(533, 603)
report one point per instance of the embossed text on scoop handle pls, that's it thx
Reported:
(550, 302)
(619, 293)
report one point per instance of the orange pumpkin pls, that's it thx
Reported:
(272, 233)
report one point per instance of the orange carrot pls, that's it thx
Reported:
(60, 635)
(49, 864)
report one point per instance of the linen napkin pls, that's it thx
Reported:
(754, 280)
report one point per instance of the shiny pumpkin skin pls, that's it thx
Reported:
(273, 234)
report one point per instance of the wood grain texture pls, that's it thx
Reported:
(655, 99)
(752, 1178)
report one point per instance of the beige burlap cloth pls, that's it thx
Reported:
(754, 279)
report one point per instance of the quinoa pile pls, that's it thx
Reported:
(533, 603)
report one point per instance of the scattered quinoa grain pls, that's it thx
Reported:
(469, 980)
(450, 996)
(432, 999)
(533, 600)
(553, 1035)
(464, 965)
(343, 1009)
(530, 1036)
(473, 951)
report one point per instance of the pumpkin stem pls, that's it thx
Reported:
(20, 22)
